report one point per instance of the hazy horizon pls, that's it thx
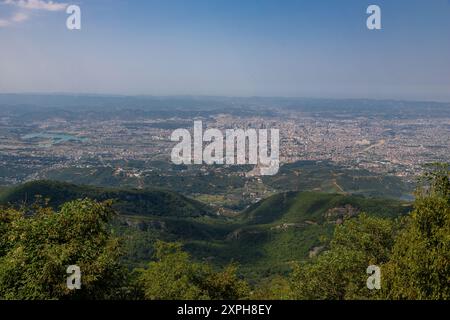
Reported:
(193, 96)
(228, 48)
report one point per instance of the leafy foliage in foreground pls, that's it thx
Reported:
(413, 252)
(420, 264)
(36, 249)
(174, 276)
(339, 273)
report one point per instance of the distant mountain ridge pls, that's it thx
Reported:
(157, 202)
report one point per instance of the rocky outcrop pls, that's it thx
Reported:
(339, 214)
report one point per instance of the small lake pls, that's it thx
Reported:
(55, 137)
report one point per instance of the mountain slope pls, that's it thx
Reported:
(325, 176)
(153, 202)
(289, 227)
(298, 207)
(264, 239)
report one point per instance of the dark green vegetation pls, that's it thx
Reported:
(156, 202)
(338, 273)
(326, 176)
(174, 276)
(264, 239)
(293, 245)
(35, 252)
(413, 252)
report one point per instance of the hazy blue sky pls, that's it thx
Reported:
(313, 48)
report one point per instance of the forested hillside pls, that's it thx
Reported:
(294, 245)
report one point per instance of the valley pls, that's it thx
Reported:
(264, 239)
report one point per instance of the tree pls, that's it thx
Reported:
(340, 272)
(174, 276)
(273, 288)
(225, 285)
(38, 244)
(420, 264)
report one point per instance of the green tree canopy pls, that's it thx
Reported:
(37, 246)
(174, 276)
(420, 264)
(340, 272)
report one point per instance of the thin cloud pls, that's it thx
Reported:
(37, 5)
(19, 17)
(4, 23)
(27, 6)
(16, 18)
